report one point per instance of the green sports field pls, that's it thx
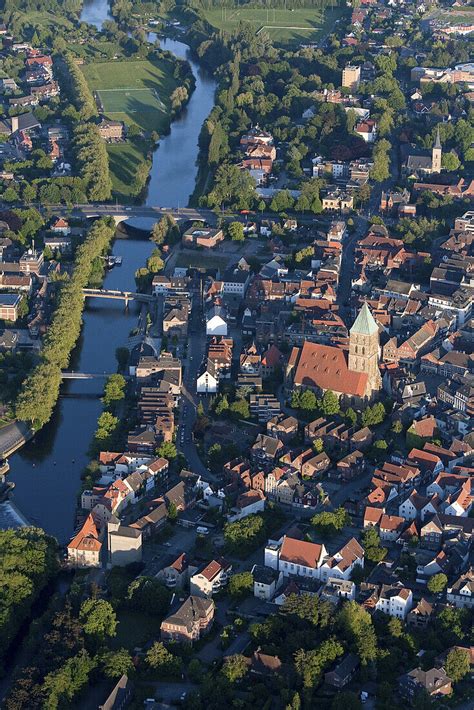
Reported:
(133, 91)
(285, 27)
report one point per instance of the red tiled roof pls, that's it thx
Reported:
(301, 552)
(272, 357)
(326, 367)
(372, 515)
(391, 522)
(87, 538)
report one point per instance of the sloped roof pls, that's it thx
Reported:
(364, 324)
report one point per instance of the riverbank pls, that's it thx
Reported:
(47, 472)
(145, 94)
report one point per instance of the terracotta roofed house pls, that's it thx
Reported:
(84, 549)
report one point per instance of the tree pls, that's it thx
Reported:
(195, 670)
(356, 625)
(115, 664)
(149, 595)
(371, 416)
(23, 307)
(235, 667)
(235, 230)
(98, 618)
(397, 427)
(61, 686)
(318, 446)
(240, 409)
(311, 664)
(395, 627)
(374, 552)
(351, 416)
(450, 161)
(163, 661)
(155, 262)
(381, 168)
(437, 583)
(245, 534)
(295, 703)
(240, 585)
(302, 609)
(458, 664)
(328, 523)
(232, 188)
(307, 400)
(282, 202)
(330, 403)
(222, 405)
(114, 390)
(167, 450)
(172, 512)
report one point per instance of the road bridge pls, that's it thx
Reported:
(118, 295)
(120, 213)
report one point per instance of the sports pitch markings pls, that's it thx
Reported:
(120, 100)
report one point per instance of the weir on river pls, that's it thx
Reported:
(47, 471)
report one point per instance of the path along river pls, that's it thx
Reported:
(47, 471)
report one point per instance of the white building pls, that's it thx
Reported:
(216, 323)
(461, 593)
(266, 582)
(211, 579)
(295, 557)
(395, 601)
(342, 563)
(208, 380)
(247, 504)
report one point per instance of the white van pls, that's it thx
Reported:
(202, 531)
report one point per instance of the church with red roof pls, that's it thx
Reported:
(325, 367)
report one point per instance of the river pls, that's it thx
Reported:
(47, 471)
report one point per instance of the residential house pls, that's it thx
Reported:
(343, 562)
(282, 427)
(395, 601)
(264, 407)
(266, 449)
(190, 621)
(420, 615)
(85, 548)
(461, 592)
(434, 683)
(336, 589)
(247, 503)
(391, 527)
(111, 131)
(175, 575)
(266, 582)
(211, 579)
(343, 672)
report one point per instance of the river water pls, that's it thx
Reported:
(47, 471)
